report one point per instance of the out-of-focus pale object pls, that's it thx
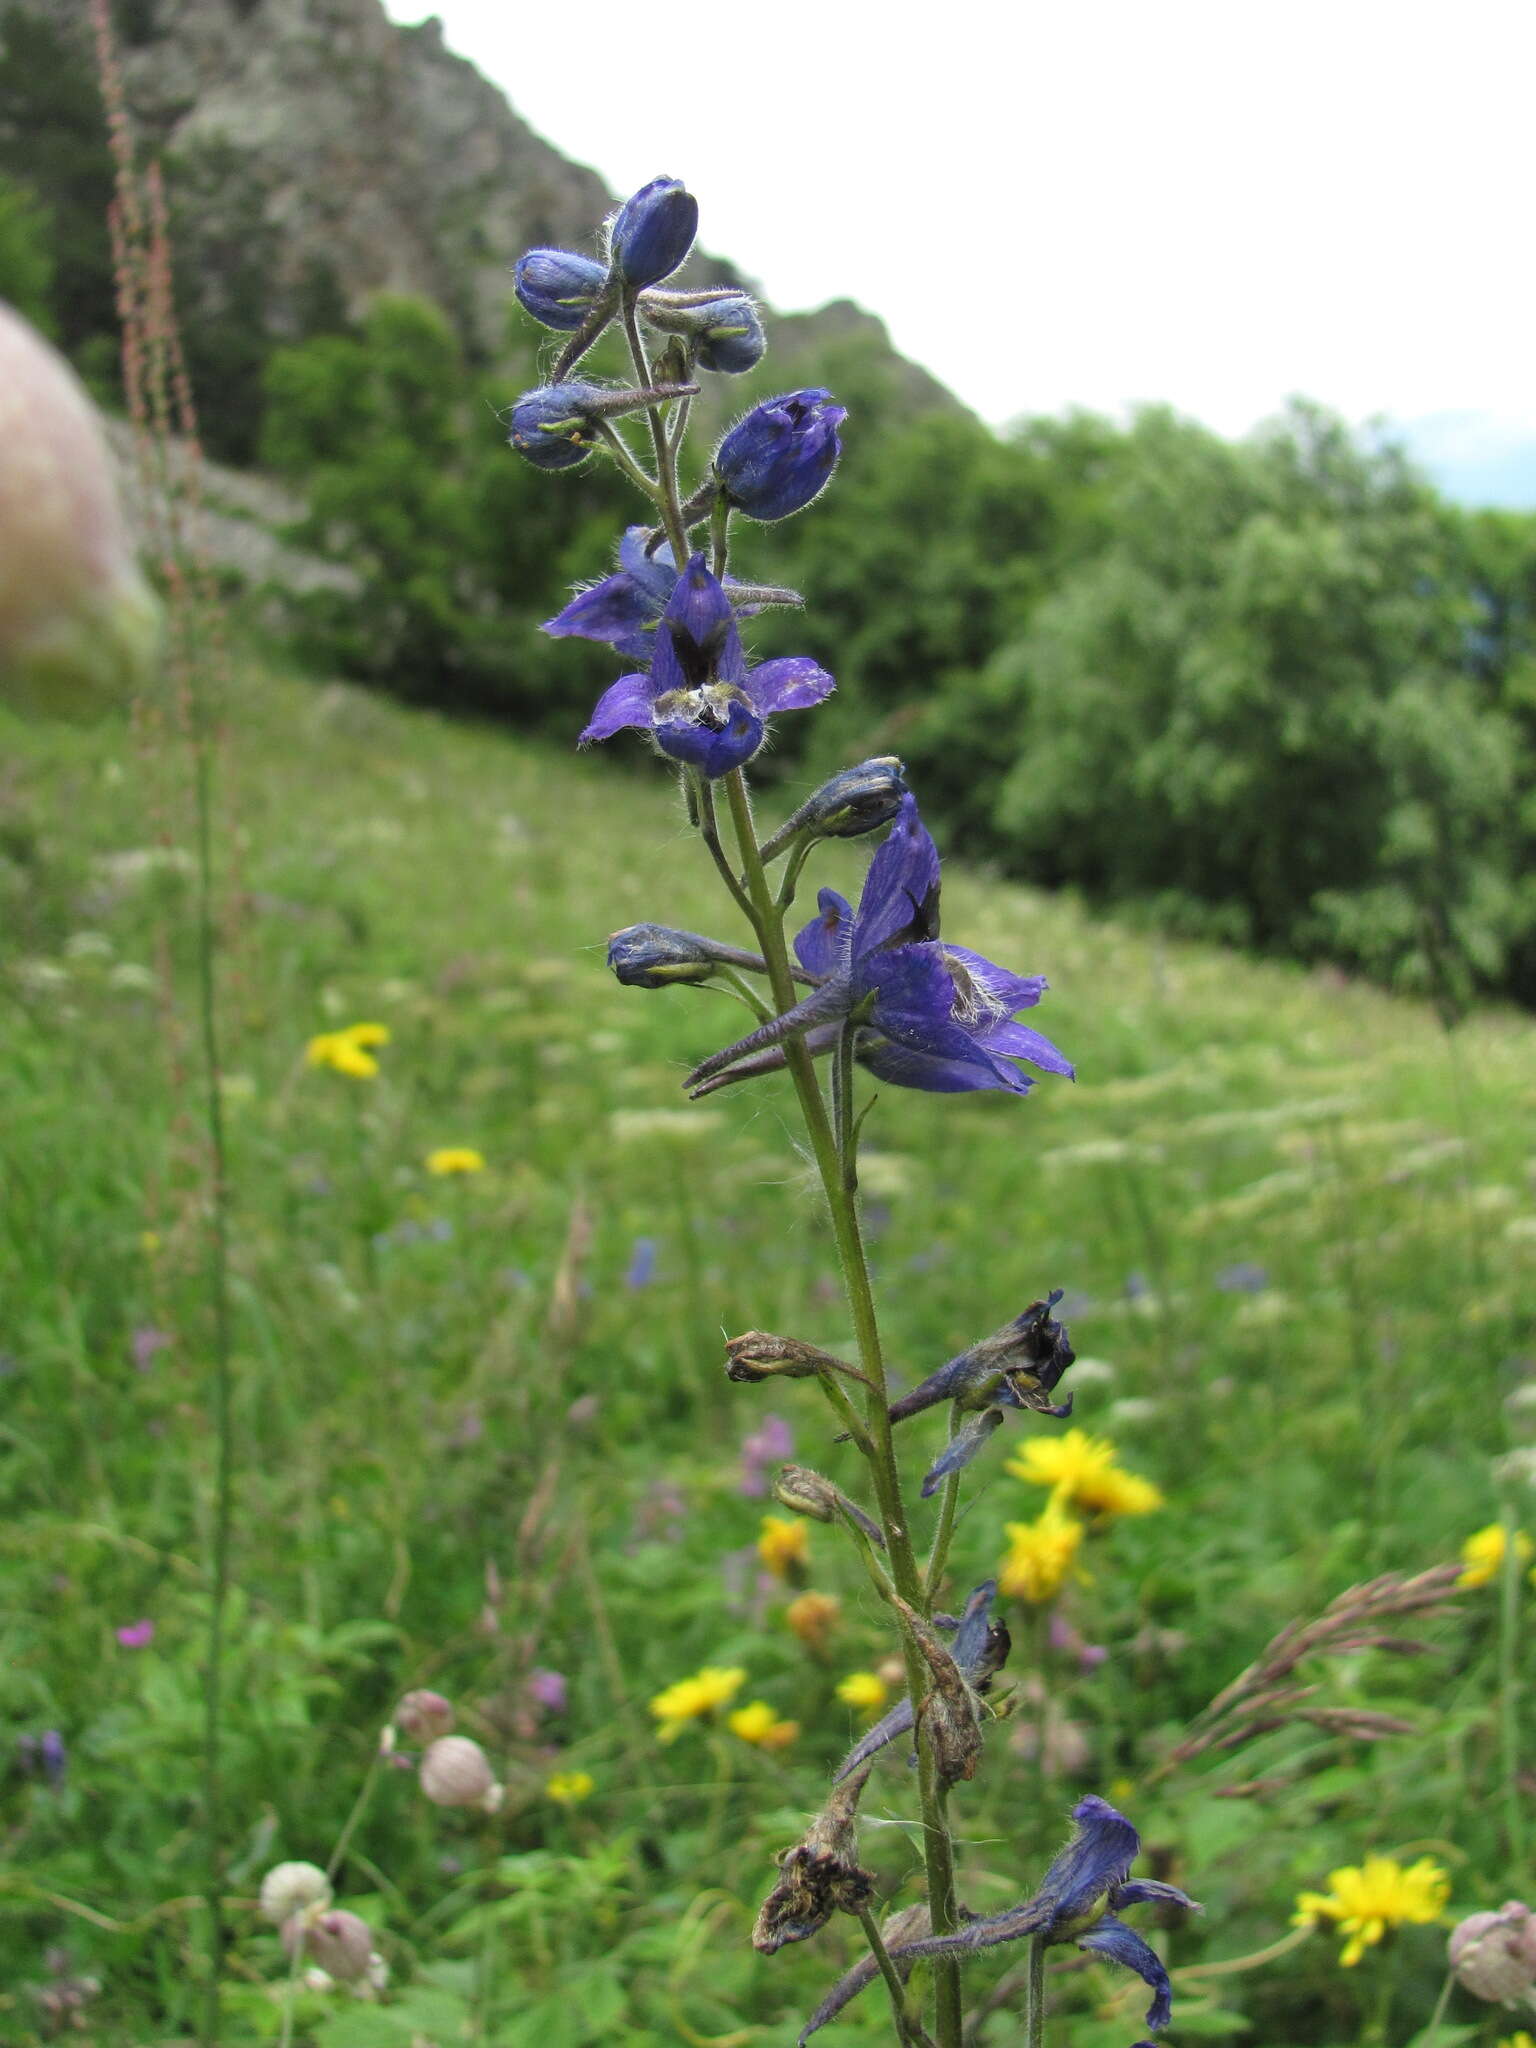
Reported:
(79, 628)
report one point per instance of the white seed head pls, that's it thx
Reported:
(337, 1942)
(1494, 1954)
(290, 1888)
(457, 1772)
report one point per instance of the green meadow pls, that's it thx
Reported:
(482, 1430)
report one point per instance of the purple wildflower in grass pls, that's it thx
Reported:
(769, 1444)
(1079, 1900)
(929, 1015)
(146, 1344)
(779, 457)
(136, 1635)
(1247, 1276)
(700, 702)
(43, 1756)
(642, 1264)
(548, 1688)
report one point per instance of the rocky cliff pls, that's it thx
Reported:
(348, 156)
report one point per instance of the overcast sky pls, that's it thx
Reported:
(1092, 202)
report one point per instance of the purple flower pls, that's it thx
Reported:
(43, 1755)
(929, 1015)
(1246, 1277)
(136, 1635)
(779, 457)
(146, 1344)
(554, 427)
(700, 702)
(770, 1444)
(558, 287)
(625, 608)
(1078, 1900)
(652, 232)
(548, 1688)
(642, 1264)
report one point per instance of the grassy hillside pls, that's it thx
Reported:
(483, 1430)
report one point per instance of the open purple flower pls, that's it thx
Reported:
(1078, 1900)
(699, 701)
(930, 1015)
(624, 609)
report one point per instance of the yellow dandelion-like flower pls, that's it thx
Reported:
(812, 1617)
(570, 1788)
(1482, 1555)
(690, 1699)
(761, 1726)
(784, 1545)
(1520, 2040)
(1366, 1899)
(1042, 1555)
(455, 1159)
(349, 1051)
(1082, 1473)
(866, 1691)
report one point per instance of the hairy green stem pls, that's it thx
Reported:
(949, 1500)
(666, 454)
(907, 2030)
(768, 922)
(1034, 1994)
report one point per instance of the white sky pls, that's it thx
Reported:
(1090, 202)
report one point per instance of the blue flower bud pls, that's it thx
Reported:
(558, 287)
(554, 426)
(855, 801)
(653, 956)
(653, 232)
(724, 327)
(776, 460)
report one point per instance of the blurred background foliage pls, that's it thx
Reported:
(1277, 691)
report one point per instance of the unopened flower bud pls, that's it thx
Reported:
(775, 460)
(654, 956)
(812, 1617)
(652, 232)
(423, 1716)
(78, 627)
(337, 1942)
(558, 287)
(1494, 1954)
(556, 427)
(290, 1888)
(855, 801)
(725, 328)
(798, 1487)
(758, 1355)
(457, 1772)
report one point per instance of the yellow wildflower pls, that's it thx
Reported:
(692, 1698)
(812, 1617)
(761, 1726)
(1482, 1555)
(1042, 1555)
(1081, 1472)
(784, 1545)
(1520, 2040)
(455, 1159)
(349, 1051)
(1366, 1899)
(865, 1690)
(570, 1788)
